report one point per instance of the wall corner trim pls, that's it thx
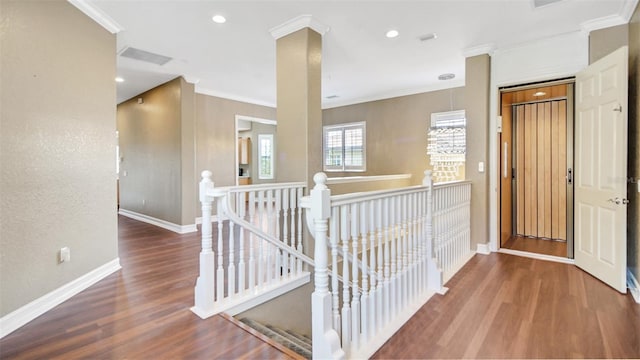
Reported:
(633, 285)
(19, 317)
(97, 15)
(180, 229)
(478, 50)
(483, 249)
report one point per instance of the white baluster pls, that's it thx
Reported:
(252, 249)
(355, 296)
(220, 240)
(204, 293)
(294, 206)
(335, 287)
(261, 243)
(241, 263)
(326, 343)
(364, 300)
(231, 272)
(299, 247)
(269, 251)
(387, 261)
(379, 291)
(346, 306)
(285, 230)
(373, 304)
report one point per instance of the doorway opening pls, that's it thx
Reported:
(536, 175)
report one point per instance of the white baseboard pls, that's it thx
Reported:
(483, 249)
(633, 285)
(37, 307)
(531, 255)
(180, 229)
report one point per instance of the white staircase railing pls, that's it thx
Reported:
(378, 249)
(257, 252)
(452, 226)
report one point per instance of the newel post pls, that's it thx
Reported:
(326, 343)
(434, 273)
(205, 285)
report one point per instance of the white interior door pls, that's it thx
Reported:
(601, 169)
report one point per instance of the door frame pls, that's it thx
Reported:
(569, 82)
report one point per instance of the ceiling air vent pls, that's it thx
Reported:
(145, 56)
(541, 3)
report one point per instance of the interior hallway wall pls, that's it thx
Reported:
(57, 148)
(396, 138)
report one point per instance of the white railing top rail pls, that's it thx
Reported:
(365, 178)
(445, 184)
(220, 191)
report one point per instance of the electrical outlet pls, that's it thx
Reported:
(65, 254)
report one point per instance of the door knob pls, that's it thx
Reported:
(615, 201)
(625, 201)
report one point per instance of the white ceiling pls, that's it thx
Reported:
(236, 60)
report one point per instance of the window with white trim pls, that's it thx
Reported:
(447, 145)
(265, 156)
(344, 147)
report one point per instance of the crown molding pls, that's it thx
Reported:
(627, 8)
(97, 15)
(601, 23)
(478, 50)
(204, 91)
(298, 23)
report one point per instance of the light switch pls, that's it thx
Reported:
(481, 166)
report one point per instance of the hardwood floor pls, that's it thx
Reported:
(505, 306)
(536, 245)
(140, 312)
(498, 306)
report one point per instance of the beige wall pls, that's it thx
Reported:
(299, 115)
(216, 135)
(151, 153)
(57, 148)
(396, 130)
(478, 71)
(189, 179)
(604, 41)
(633, 214)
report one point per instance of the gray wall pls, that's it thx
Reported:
(602, 42)
(396, 130)
(57, 148)
(156, 149)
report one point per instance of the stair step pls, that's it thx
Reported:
(296, 342)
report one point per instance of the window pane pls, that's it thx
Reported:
(333, 148)
(265, 156)
(353, 149)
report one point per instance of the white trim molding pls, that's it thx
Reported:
(17, 318)
(478, 50)
(483, 249)
(633, 285)
(180, 229)
(298, 23)
(97, 15)
(531, 255)
(354, 179)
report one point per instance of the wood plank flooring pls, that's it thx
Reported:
(505, 306)
(536, 245)
(140, 312)
(498, 306)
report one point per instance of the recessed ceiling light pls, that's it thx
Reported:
(219, 19)
(540, 93)
(446, 76)
(392, 33)
(119, 79)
